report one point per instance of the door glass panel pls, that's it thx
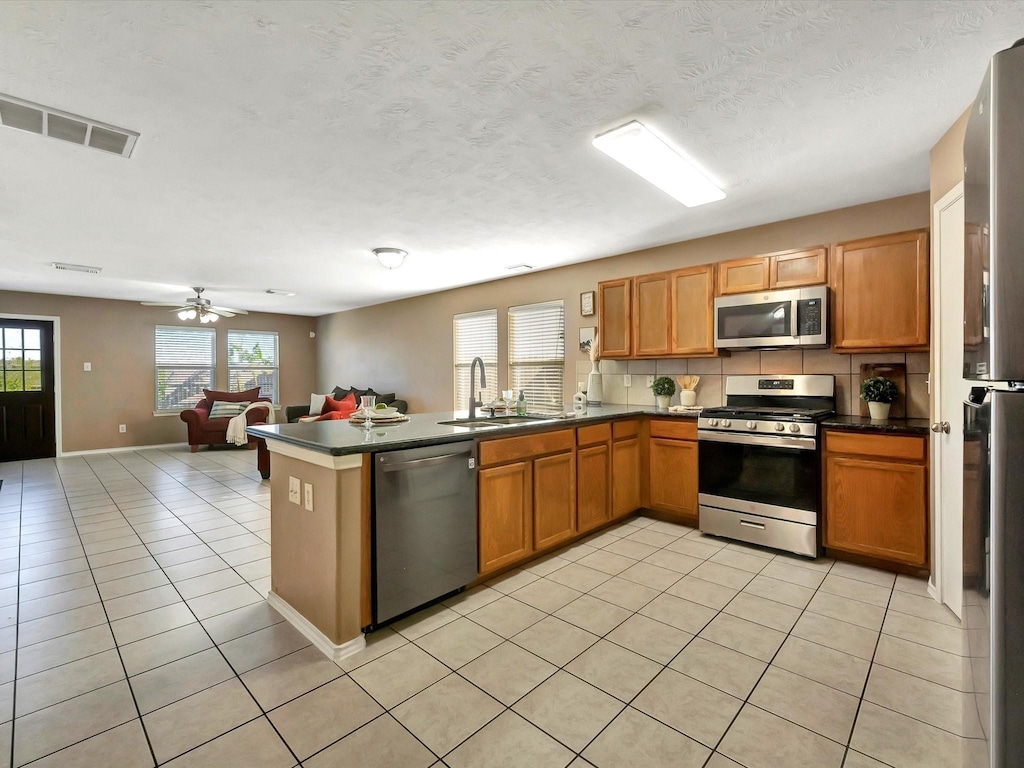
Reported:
(32, 339)
(14, 381)
(755, 321)
(12, 338)
(13, 360)
(784, 477)
(33, 359)
(33, 381)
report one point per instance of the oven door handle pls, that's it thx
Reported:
(768, 441)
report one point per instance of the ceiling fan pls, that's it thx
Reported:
(199, 307)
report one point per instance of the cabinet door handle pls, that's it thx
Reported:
(749, 524)
(941, 426)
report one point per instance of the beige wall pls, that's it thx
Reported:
(117, 338)
(416, 360)
(946, 159)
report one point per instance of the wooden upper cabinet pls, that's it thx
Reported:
(881, 293)
(783, 269)
(743, 275)
(692, 308)
(614, 299)
(793, 269)
(651, 294)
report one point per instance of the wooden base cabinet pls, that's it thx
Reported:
(876, 496)
(593, 476)
(526, 496)
(506, 506)
(673, 468)
(626, 468)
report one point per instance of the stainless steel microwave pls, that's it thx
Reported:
(792, 318)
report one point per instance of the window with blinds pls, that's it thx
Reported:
(536, 353)
(253, 362)
(475, 335)
(185, 365)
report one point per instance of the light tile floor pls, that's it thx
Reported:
(134, 632)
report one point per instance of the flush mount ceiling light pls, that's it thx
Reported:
(648, 156)
(46, 121)
(391, 258)
(279, 292)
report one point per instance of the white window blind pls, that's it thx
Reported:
(185, 365)
(253, 362)
(536, 353)
(475, 335)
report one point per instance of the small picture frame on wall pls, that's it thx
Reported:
(587, 303)
(587, 336)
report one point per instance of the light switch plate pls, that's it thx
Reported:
(86, 366)
(309, 497)
(627, 380)
(293, 490)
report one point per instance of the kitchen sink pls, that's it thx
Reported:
(492, 421)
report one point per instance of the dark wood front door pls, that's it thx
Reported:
(27, 415)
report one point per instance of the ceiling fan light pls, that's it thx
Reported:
(391, 258)
(213, 317)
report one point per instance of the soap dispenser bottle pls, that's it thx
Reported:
(521, 403)
(579, 401)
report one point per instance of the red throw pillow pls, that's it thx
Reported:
(346, 405)
(232, 397)
(335, 415)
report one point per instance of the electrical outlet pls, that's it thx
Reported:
(650, 380)
(309, 497)
(86, 366)
(627, 380)
(122, 428)
(293, 490)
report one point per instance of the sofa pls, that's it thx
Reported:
(204, 430)
(295, 412)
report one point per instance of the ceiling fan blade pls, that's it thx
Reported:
(222, 310)
(223, 313)
(158, 304)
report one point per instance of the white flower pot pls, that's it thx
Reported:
(879, 411)
(687, 397)
(663, 400)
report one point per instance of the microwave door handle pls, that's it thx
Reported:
(792, 318)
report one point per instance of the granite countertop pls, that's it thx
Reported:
(888, 426)
(340, 438)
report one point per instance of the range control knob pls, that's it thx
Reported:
(712, 422)
(726, 423)
(794, 427)
(751, 425)
(780, 427)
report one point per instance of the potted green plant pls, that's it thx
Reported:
(663, 388)
(880, 393)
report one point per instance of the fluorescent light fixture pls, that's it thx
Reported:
(391, 258)
(648, 156)
(519, 267)
(279, 292)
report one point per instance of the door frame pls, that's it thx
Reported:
(56, 371)
(939, 530)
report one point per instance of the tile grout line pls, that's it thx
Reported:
(17, 612)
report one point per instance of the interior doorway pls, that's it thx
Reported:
(28, 418)
(949, 390)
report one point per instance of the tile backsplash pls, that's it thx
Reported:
(712, 372)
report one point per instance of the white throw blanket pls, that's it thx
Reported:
(236, 427)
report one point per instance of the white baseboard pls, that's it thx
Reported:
(315, 636)
(123, 449)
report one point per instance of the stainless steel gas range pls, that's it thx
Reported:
(759, 461)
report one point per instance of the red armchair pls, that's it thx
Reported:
(202, 430)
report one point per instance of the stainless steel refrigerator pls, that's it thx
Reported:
(993, 549)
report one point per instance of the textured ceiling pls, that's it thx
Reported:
(281, 141)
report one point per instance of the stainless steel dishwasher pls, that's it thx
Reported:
(424, 535)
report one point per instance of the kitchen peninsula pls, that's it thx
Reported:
(541, 484)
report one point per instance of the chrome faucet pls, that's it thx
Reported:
(474, 403)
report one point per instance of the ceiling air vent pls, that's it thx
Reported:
(35, 118)
(75, 267)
